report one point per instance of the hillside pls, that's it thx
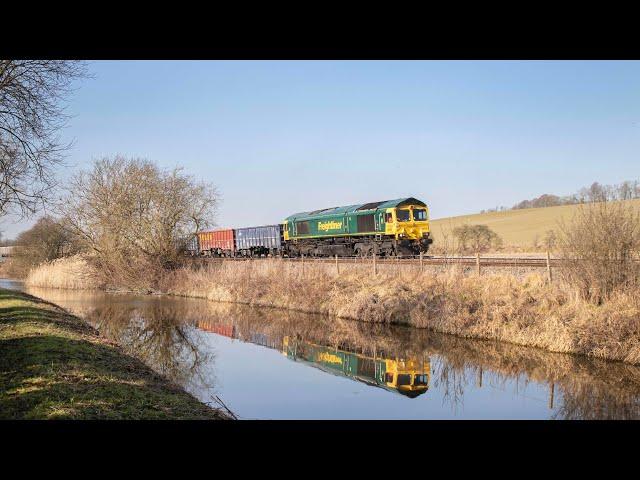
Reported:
(516, 227)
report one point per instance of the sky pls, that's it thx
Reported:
(279, 137)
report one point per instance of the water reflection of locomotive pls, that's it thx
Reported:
(388, 228)
(408, 376)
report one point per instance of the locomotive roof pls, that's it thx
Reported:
(359, 207)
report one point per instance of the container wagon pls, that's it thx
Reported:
(257, 241)
(225, 330)
(192, 247)
(7, 251)
(217, 243)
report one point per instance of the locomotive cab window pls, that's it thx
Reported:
(403, 215)
(388, 217)
(419, 215)
(421, 380)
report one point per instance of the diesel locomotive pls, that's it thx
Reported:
(388, 228)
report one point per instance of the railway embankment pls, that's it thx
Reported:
(55, 366)
(525, 310)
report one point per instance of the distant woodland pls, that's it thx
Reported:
(597, 192)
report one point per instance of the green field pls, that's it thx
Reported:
(516, 227)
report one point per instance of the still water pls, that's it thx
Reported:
(274, 364)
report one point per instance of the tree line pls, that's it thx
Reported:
(596, 192)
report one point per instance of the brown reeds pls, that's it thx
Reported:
(526, 311)
(70, 272)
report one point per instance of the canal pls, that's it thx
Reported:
(275, 364)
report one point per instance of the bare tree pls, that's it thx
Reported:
(32, 102)
(135, 217)
(550, 240)
(601, 248)
(626, 190)
(45, 241)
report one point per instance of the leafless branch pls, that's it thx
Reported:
(33, 94)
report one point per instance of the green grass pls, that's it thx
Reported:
(515, 227)
(55, 366)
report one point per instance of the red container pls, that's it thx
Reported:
(217, 240)
(226, 330)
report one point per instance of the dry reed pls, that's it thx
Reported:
(525, 311)
(71, 272)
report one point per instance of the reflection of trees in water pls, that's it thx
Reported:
(601, 390)
(157, 333)
(160, 330)
(583, 387)
(451, 380)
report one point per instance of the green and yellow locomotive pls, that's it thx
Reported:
(392, 227)
(407, 376)
(388, 228)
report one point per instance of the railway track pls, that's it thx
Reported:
(508, 262)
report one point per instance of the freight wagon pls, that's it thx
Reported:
(193, 246)
(225, 330)
(257, 241)
(218, 243)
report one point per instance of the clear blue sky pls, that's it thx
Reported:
(282, 137)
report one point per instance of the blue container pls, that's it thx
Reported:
(259, 239)
(192, 245)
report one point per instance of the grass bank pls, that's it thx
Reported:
(55, 366)
(500, 306)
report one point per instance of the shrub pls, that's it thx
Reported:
(600, 248)
(476, 238)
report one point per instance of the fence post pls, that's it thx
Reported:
(337, 266)
(420, 262)
(303, 264)
(478, 263)
(549, 275)
(375, 265)
(551, 392)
